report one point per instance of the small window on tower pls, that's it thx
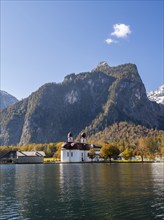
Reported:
(71, 154)
(67, 154)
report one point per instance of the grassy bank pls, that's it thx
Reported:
(54, 160)
(50, 160)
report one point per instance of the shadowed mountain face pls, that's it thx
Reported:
(87, 101)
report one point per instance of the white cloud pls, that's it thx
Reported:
(121, 30)
(111, 41)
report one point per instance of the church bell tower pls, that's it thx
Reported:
(83, 138)
(70, 137)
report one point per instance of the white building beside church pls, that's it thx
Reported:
(77, 152)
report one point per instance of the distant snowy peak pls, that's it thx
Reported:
(157, 95)
(6, 99)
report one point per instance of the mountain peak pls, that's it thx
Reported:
(87, 102)
(157, 95)
(103, 65)
(6, 99)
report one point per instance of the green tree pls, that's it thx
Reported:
(127, 153)
(109, 151)
(91, 154)
(153, 145)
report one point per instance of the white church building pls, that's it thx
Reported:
(78, 152)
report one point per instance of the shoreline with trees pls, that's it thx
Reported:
(122, 140)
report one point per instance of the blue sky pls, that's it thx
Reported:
(43, 41)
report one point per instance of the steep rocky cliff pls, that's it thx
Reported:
(88, 101)
(127, 101)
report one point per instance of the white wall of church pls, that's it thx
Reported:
(74, 155)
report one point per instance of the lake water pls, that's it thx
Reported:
(82, 191)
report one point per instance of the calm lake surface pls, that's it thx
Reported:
(82, 191)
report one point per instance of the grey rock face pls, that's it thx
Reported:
(6, 99)
(88, 101)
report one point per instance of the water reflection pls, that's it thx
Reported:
(158, 190)
(117, 189)
(82, 191)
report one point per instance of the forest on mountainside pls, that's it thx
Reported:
(130, 139)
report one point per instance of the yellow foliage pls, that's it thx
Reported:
(49, 148)
(50, 160)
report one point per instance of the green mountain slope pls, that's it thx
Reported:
(89, 101)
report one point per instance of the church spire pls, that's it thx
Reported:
(83, 138)
(70, 137)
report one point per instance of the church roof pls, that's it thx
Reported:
(18, 153)
(30, 153)
(66, 145)
(76, 146)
